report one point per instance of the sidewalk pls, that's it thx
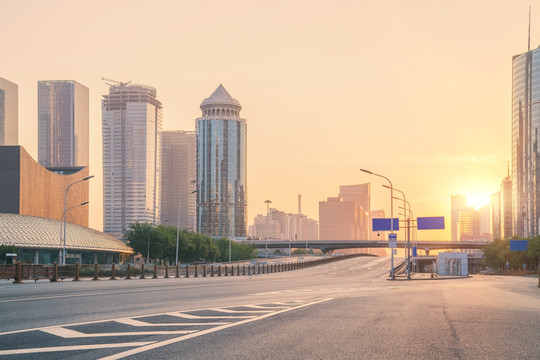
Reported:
(426, 276)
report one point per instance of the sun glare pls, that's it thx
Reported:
(477, 200)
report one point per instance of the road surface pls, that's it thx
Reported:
(342, 310)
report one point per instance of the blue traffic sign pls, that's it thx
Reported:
(519, 245)
(430, 223)
(385, 224)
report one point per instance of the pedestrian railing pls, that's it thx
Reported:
(76, 272)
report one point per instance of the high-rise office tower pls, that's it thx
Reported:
(469, 225)
(495, 201)
(506, 208)
(221, 166)
(178, 175)
(525, 151)
(63, 123)
(132, 127)
(9, 113)
(458, 203)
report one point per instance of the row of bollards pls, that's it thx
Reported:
(54, 275)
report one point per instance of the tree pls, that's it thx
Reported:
(497, 253)
(534, 250)
(6, 249)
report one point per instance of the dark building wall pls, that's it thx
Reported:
(10, 168)
(30, 189)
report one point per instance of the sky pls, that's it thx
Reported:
(418, 91)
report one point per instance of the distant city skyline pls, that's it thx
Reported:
(328, 89)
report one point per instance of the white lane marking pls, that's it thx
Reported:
(229, 311)
(303, 291)
(73, 334)
(189, 316)
(203, 332)
(86, 294)
(134, 322)
(73, 348)
(265, 307)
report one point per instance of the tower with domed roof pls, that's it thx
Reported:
(221, 166)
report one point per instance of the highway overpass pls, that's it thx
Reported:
(326, 245)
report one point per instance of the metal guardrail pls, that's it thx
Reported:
(76, 272)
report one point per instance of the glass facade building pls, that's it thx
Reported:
(525, 136)
(178, 178)
(9, 113)
(63, 123)
(221, 167)
(132, 130)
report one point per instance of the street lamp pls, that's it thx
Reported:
(65, 214)
(178, 228)
(408, 234)
(391, 215)
(266, 238)
(62, 219)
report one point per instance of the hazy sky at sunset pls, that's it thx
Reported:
(419, 91)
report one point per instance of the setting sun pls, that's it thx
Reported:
(477, 199)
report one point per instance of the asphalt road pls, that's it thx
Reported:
(342, 310)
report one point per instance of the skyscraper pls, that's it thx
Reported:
(469, 225)
(63, 124)
(506, 208)
(132, 127)
(221, 166)
(179, 173)
(9, 113)
(525, 151)
(458, 203)
(495, 201)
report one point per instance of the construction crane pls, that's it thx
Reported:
(116, 82)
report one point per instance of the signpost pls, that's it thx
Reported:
(422, 223)
(392, 244)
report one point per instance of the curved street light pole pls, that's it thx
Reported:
(178, 228)
(408, 233)
(62, 221)
(65, 214)
(391, 214)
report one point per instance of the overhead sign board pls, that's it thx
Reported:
(430, 223)
(385, 224)
(519, 245)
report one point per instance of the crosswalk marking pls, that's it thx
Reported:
(139, 323)
(162, 329)
(73, 334)
(73, 348)
(189, 316)
(203, 332)
(230, 311)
